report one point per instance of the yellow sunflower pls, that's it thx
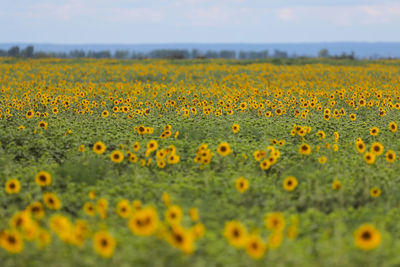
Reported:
(43, 178)
(99, 147)
(104, 244)
(367, 237)
(117, 156)
(12, 186)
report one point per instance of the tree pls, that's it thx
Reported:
(13, 51)
(121, 54)
(227, 54)
(280, 54)
(77, 53)
(28, 52)
(323, 53)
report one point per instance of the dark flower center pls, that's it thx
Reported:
(366, 235)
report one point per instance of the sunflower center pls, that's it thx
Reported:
(236, 233)
(11, 239)
(366, 235)
(104, 242)
(178, 238)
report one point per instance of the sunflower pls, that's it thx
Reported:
(336, 185)
(99, 147)
(29, 114)
(265, 164)
(360, 146)
(235, 128)
(224, 149)
(322, 160)
(123, 208)
(136, 146)
(290, 183)
(81, 148)
(274, 221)
(353, 117)
(20, 219)
(12, 186)
(242, 184)
(367, 237)
(375, 192)
(136, 205)
(117, 156)
(152, 146)
(369, 157)
(374, 131)
(144, 222)
(304, 149)
(43, 125)
(105, 114)
(292, 232)
(235, 233)
(133, 158)
(198, 230)
(181, 238)
(173, 159)
(321, 134)
(101, 207)
(43, 178)
(11, 241)
(92, 194)
(166, 199)
(173, 215)
(275, 239)
(393, 127)
(377, 148)
(89, 209)
(36, 209)
(390, 156)
(51, 201)
(194, 214)
(104, 244)
(255, 247)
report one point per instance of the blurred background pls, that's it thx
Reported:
(241, 29)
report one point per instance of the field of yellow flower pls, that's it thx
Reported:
(199, 163)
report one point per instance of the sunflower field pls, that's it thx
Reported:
(199, 163)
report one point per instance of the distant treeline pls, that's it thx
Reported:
(29, 52)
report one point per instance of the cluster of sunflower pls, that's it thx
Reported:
(163, 156)
(145, 221)
(30, 224)
(168, 132)
(254, 244)
(377, 148)
(203, 155)
(132, 98)
(142, 130)
(267, 162)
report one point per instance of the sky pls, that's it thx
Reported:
(198, 21)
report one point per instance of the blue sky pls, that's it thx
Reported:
(205, 21)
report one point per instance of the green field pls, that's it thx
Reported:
(344, 210)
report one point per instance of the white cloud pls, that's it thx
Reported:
(286, 14)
